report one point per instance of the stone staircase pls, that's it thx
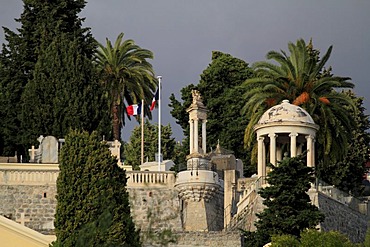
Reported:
(249, 204)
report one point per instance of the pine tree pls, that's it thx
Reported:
(288, 206)
(93, 207)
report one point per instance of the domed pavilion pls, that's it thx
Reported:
(285, 130)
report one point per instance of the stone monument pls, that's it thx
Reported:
(47, 152)
(199, 186)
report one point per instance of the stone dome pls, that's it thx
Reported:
(286, 112)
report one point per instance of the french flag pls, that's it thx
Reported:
(133, 110)
(154, 101)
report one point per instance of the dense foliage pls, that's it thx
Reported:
(219, 88)
(348, 173)
(63, 93)
(132, 149)
(93, 207)
(288, 206)
(45, 69)
(302, 78)
(127, 78)
(311, 238)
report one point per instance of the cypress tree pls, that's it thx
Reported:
(93, 207)
(48, 30)
(63, 93)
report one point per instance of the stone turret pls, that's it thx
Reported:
(199, 186)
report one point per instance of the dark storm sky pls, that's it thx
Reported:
(182, 34)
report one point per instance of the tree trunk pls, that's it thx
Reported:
(116, 124)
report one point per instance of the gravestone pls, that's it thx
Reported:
(49, 150)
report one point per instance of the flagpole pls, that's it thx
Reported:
(159, 122)
(142, 132)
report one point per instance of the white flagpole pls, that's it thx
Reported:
(142, 132)
(159, 122)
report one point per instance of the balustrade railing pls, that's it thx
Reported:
(342, 197)
(150, 178)
(28, 173)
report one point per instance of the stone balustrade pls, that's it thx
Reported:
(137, 179)
(28, 174)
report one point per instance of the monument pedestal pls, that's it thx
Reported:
(203, 202)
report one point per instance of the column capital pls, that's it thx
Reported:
(272, 135)
(260, 138)
(293, 134)
(312, 137)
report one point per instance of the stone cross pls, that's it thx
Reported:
(32, 153)
(23, 220)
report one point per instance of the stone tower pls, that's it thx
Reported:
(199, 186)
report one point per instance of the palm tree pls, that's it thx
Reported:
(127, 77)
(302, 79)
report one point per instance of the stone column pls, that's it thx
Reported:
(293, 144)
(264, 169)
(273, 148)
(313, 152)
(309, 150)
(299, 150)
(196, 136)
(204, 136)
(279, 154)
(191, 136)
(260, 156)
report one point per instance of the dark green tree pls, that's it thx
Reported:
(288, 206)
(127, 78)
(347, 174)
(219, 87)
(132, 149)
(63, 94)
(42, 24)
(93, 206)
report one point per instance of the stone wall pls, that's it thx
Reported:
(211, 239)
(32, 205)
(155, 209)
(340, 217)
(27, 194)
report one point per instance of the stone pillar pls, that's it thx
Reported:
(313, 152)
(293, 144)
(260, 156)
(299, 150)
(264, 168)
(196, 136)
(309, 150)
(230, 178)
(191, 136)
(272, 148)
(279, 154)
(204, 136)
